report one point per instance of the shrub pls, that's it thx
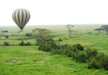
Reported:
(61, 49)
(82, 56)
(97, 61)
(28, 44)
(78, 47)
(67, 50)
(93, 63)
(60, 40)
(91, 52)
(105, 62)
(6, 44)
(45, 46)
(22, 43)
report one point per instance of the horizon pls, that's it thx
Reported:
(52, 25)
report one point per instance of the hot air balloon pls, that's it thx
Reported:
(21, 17)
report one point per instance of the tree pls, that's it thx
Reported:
(44, 40)
(105, 28)
(29, 35)
(5, 33)
(99, 29)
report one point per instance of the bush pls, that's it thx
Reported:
(97, 61)
(22, 43)
(78, 47)
(60, 40)
(94, 63)
(6, 44)
(67, 50)
(28, 44)
(105, 62)
(45, 46)
(82, 56)
(60, 49)
(91, 52)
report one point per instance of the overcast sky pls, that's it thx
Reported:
(45, 12)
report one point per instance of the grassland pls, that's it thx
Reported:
(28, 60)
(100, 42)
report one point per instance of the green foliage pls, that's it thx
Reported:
(68, 50)
(60, 40)
(91, 53)
(78, 52)
(22, 43)
(6, 44)
(78, 47)
(28, 44)
(82, 56)
(105, 62)
(99, 61)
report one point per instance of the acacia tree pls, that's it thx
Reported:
(44, 40)
(29, 35)
(105, 28)
(99, 29)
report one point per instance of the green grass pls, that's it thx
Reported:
(16, 60)
(28, 60)
(100, 42)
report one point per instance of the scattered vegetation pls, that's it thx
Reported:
(80, 53)
(66, 56)
(23, 43)
(28, 44)
(6, 44)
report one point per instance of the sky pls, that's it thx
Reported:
(56, 12)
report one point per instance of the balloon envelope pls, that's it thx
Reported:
(21, 17)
